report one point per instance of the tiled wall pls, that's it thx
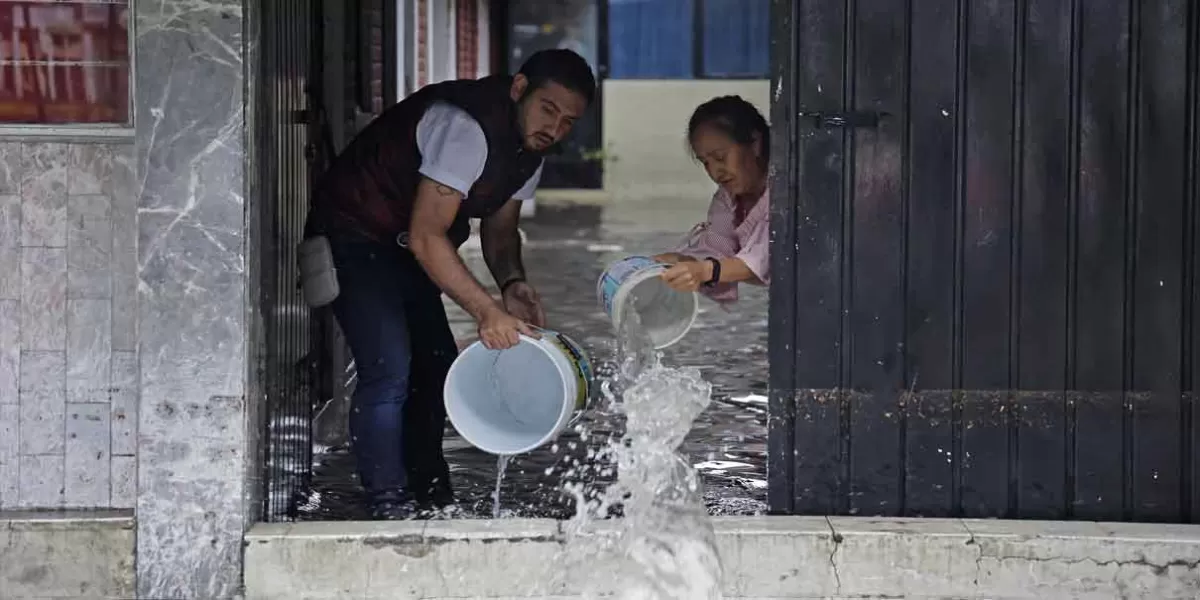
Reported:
(68, 334)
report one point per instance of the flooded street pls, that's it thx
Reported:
(565, 252)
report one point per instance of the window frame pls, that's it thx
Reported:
(104, 131)
(697, 48)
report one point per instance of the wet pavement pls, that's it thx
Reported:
(565, 252)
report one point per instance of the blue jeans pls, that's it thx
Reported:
(393, 319)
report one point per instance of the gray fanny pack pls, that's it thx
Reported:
(318, 275)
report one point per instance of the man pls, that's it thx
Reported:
(395, 207)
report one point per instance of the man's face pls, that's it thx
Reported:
(547, 113)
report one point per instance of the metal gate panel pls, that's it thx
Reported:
(985, 305)
(290, 47)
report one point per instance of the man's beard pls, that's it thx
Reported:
(527, 139)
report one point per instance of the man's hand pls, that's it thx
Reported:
(523, 302)
(499, 330)
(688, 276)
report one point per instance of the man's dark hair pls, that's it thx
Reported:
(563, 67)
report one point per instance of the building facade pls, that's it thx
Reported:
(133, 256)
(154, 161)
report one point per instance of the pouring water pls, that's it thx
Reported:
(501, 467)
(664, 547)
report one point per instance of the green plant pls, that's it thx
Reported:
(605, 155)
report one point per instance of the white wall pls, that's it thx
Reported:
(645, 131)
(406, 47)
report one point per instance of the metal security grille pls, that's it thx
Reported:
(985, 263)
(290, 47)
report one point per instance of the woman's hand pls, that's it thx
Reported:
(688, 276)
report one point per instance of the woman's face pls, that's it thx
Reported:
(733, 166)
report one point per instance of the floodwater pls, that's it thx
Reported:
(565, 252)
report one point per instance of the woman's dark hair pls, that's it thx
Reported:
(736, 118)
(563, 67)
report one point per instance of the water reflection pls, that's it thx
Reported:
(727, 445)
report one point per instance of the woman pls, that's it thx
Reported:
(730, 138)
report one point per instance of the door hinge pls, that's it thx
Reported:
(853, 119)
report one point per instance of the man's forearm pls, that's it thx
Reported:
(440, 260)
(502, 253)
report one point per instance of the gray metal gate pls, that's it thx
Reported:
(985, 258)
(289, 154)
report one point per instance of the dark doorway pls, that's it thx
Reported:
(293, 145)
(986, 274)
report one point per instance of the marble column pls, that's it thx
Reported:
(195, 438)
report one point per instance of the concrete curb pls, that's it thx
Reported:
(66, 554)
(568, 197)
(763, 557)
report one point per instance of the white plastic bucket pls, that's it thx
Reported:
(514, 400)
(633, 283)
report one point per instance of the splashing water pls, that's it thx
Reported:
(665, 547)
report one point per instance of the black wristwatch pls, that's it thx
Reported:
(716, 275)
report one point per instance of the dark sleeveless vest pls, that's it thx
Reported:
(369, 189)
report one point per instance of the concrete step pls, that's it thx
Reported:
(66, 554)
(763, 557)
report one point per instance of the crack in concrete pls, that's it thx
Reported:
(9, 534)
(837, 543)
(978, 552)
(439, 569)
(1158, 568)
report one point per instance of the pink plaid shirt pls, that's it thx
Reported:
(719, 238)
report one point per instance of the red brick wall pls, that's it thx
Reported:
(423, 42)
(374, 34)
(466, 14)
(467, 38)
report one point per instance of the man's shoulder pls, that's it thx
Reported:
(441, 111)
(453, 146)
(445, 120)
